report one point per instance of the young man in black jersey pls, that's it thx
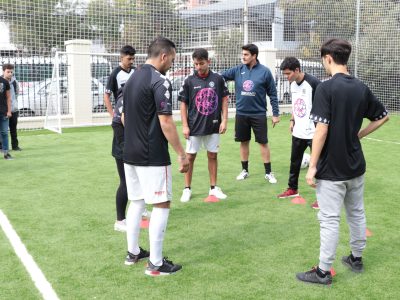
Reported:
(119, 76)
(149, 127)
(337, 160)
(302, 88)
(204, 114)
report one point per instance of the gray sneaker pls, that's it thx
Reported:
(356, 266)
(315, 275)
(132, 259)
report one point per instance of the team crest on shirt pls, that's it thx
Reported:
(211, 84)
(248, 85)
(300, 108)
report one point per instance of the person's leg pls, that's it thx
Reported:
(298, 148)
(355, 214)
(330, 195)
(13, 130)
(243, 135)
(212, 167)
(121, 194)
(4, 133)
(189, 174)
(157, 228)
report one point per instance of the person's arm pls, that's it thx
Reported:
(123, 119)
(229, 74)
(107, 102)
(168, 127)
(273, 97)
(291, 125)
(372, 126)
(8, 95)
(184, 119)
(224, 121)
(318, 142)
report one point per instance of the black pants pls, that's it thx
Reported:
(298, 148)
(13, 129)
(121, 196)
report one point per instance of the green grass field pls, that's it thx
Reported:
(59, 195)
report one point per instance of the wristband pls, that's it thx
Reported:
(291, 120)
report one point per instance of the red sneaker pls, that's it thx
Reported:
(315, 205)
(288, 193)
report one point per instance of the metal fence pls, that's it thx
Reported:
(33, 30)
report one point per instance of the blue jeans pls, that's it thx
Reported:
(4, 132)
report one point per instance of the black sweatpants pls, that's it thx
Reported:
(298, 148)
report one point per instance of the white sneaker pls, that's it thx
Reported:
(243, 175)
(120, 225)
(186, 194)
(146, 214)
(271, 178)
(217, 192)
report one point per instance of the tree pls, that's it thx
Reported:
(227, 48)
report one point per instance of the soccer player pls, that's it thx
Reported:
(203, 96)
(116, 81)
(337, 160)
(5, 114)
(149, 127)
(253, 82)
(302, 87)
(119, 76)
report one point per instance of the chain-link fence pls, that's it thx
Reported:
(33, 30)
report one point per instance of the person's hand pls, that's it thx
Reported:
(183, 163)
(275, 120)
(222, 127)
(291, 125)
(9, 114)
(310, 176)
(186, 132)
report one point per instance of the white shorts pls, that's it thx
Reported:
(153, 184)
(209, 142)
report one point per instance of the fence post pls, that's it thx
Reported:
(79, 81)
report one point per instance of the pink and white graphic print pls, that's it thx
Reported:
(206, 101)
(248, 85)
(300, 108)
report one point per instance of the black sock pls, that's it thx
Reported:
(245, 165)
(354, 258)
(187, 187)
(322, 273)
(212, 187)
(267, 167)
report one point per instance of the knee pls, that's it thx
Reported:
(212, 156)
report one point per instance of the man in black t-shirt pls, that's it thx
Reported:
(337, 160)
(203, 96)
(5, 114)
(119, 76)
(149, 127)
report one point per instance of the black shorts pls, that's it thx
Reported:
(244, 124)
(118, 140)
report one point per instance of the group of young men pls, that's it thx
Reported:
(326, 117)
(8, 111)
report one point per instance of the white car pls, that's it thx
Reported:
(32, 100)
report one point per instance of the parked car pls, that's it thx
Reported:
(32, 101)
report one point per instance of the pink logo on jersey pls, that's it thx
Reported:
(206, 101)
(300, 108)
(248, 85)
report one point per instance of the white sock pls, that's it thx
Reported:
(157, 227)
(133, 218)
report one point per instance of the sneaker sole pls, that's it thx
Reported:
(158, 273)
(315, 283)
(291, 196)
(351, 268)
(119, 229)
(127, 263)
(238, 179)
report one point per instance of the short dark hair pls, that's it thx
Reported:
(291, 63)
(200, 54)
(337, 48)
(160, 45)
(127, 50)
(8, 67)
(253, 49)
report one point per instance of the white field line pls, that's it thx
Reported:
(382, 141)
(34, 271)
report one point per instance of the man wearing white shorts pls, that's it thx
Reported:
(204, 114)
(149, 128)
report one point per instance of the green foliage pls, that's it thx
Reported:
(227, 47)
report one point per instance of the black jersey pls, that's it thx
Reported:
(4, 87)
(342, 102)
(117, 79)
(203, 97)
(147, 94)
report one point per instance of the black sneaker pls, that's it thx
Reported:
(17, 149)
(167, 268)
(132, 259)
(315, 275)
(7, 156)
(356, 265)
